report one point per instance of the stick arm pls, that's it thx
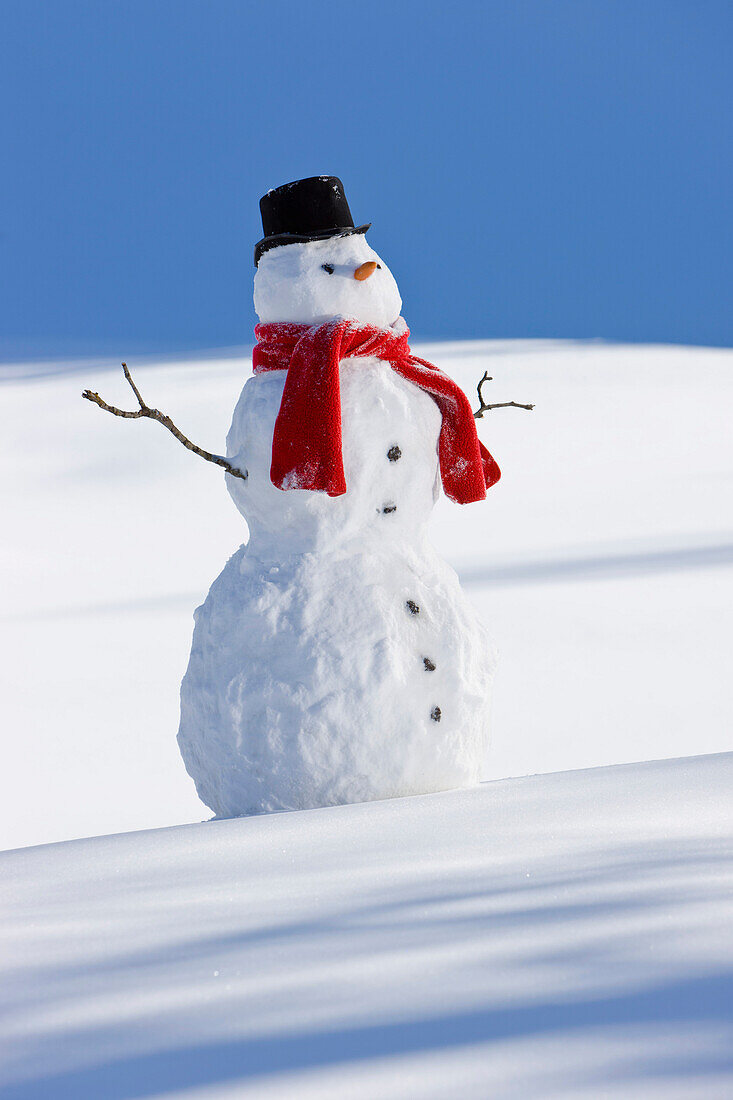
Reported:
(156, 414)
(483, 407)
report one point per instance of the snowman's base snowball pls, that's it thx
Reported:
(314, 682)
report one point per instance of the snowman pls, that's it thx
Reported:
(336, 659)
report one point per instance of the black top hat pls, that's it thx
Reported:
(306, 210)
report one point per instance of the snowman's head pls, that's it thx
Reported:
(315, 281)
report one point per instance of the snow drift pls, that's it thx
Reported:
(553, 937)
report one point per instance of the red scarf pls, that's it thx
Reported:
(306, 445)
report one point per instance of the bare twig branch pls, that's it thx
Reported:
(156, 414)
(483, 407)
(134, 388)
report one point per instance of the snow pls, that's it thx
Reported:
(378, 410)
(558, 936)
(307, 683)
(562, 935)
(291, 284)
(601, 564)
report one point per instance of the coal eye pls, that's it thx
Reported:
(328, 268)
(379, 267)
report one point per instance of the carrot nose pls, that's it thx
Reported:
(365, 270)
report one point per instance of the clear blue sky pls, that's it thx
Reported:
(556, 168)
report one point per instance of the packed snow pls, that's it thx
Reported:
(291, 284)
(561, 936)
(601, 564)
(335, 658)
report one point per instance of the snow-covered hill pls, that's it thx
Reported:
(602, 563)
(559, 936)
(566, 935)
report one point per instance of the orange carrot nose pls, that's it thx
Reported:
(365, 270)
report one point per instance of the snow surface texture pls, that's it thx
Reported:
(563, 936)
(335, 659)
(602, 563)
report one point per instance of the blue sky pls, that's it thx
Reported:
(532, 168)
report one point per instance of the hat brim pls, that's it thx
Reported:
(295, 238)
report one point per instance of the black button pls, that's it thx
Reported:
(394, 453)
(435, 714)
(429, 666)
(389, 508)
(412, 607)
